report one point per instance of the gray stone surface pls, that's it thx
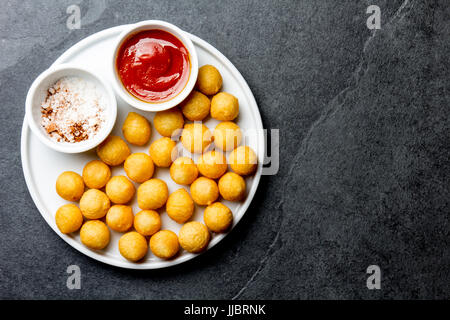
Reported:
(365, 149)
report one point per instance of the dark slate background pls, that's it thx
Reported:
(365, 145)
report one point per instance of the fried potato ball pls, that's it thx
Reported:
(120, 190)
(183, 171)
(94, 204)
(133, 246)
(212, 164)
(232, 186)
(196, 137)
(218, 217)
(152, 194)
(168, 122)
(147, 222)
(227, 136)
(113, 151)
(164, 244)
(163, 152)
(120, 218)
(243, 160)
(204, 191)
(68, 218)
(180, 206)
(194, 236)
(209, 80)
(136, 129)
(70, 186)
(96, 174)
(95, 234)
(139, 167)
(224, 107)
(196, 106)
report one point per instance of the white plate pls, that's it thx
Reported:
(42, 165)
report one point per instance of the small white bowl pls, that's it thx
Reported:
(38, 92)
(182, 36)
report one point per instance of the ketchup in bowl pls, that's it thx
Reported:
(153, 65)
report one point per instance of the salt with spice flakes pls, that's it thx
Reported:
(74, 110)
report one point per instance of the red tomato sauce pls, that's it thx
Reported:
(153, 65)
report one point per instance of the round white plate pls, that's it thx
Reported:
(42, 165)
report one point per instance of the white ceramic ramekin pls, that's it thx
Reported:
(183, 37)
(38, 92)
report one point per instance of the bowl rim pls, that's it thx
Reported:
(126, 96)
(71, 148)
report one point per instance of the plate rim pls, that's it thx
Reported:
(25, 139)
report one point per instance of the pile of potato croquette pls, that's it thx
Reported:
(103, 200)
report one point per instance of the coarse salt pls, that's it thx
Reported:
(74, 110)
